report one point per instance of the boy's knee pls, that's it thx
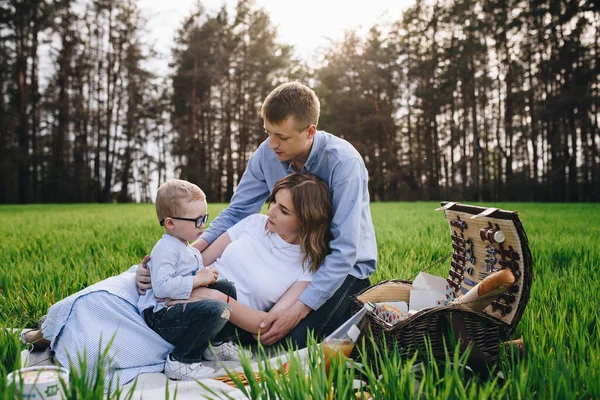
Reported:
(226, 313)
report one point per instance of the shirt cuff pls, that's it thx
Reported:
(208, 236)
(311, 300)
(187, 287)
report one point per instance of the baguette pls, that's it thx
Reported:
(482, 294)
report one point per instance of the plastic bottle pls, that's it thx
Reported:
(341, 342)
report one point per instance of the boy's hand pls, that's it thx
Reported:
(142, 276)
(206, 276)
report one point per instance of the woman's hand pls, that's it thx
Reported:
(198, 294)
(142, 276)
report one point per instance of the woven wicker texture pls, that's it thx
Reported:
(476, 253)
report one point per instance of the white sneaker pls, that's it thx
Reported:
(226, 351)
(185, 372)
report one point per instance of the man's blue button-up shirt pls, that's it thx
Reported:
(354, 249)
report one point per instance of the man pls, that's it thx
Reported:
(290, 114)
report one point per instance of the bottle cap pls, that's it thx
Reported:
(370, 307)
(353, 333)
(499, 237)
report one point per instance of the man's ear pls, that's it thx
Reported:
(312, 130)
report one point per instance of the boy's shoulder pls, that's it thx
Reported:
(167, 245)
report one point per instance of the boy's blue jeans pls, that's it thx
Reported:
(191, 326)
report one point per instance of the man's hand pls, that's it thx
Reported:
(279, 323)
(142, 276)
(206, 276)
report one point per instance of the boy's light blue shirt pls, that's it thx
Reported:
(354, 249)
(172, 266)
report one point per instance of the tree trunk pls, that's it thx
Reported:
(35, 112)
(22, 125)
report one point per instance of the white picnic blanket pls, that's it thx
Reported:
(154, 386)
(82, 325)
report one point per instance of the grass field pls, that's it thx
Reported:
(50, 252)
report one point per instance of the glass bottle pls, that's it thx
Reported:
(341, 342)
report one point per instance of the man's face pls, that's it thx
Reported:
(287, 141)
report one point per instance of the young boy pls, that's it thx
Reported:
(176, 269)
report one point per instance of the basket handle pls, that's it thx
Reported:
(436, 262)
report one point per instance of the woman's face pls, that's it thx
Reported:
(282, 217)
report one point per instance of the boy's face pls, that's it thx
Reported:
(186, 231)
(287, 142)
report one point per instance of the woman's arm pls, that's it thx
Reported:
(291, 295)
(242, 316)
(214, 251)
(249, 319)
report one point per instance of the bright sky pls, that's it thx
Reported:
(306, 24)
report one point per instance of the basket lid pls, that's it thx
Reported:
(485, 240)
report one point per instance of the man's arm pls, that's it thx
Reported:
(348, 197)
(249, 197)
(215, 250)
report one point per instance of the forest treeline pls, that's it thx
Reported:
(471, 100)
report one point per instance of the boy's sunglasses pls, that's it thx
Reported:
(203, 219)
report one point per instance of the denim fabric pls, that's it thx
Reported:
(191, 326)
(329, 316)
(225, 286)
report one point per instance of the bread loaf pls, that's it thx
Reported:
(482, 295)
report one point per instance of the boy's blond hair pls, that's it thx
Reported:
(172, 196)
(292, 99)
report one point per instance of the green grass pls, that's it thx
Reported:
(48, 252)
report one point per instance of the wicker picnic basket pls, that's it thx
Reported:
(475, 255)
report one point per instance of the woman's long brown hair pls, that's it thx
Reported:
(312, 205)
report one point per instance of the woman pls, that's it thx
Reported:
(271, 259)
(285, 247)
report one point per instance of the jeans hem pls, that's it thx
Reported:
(187, 360)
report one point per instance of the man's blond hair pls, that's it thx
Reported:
(173, 195)
(292, 99)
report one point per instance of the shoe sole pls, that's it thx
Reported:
(179, 377)
(216, 358)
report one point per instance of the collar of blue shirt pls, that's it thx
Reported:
(313, 156)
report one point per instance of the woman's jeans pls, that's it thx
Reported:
(333, 313)
(191, 326)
